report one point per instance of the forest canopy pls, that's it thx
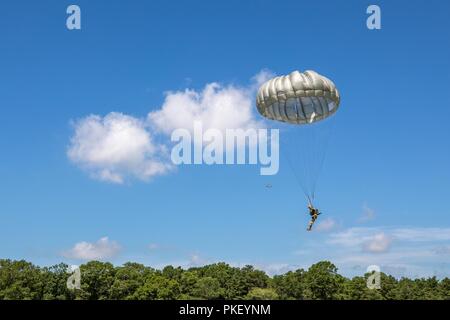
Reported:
(102, 281)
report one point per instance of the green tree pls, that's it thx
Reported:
(388, 286)
(55, 283)
(23, 280)
(444, 289)
(262, 294)
(245, 279)
(158, 287)
(322, 281)
(128, 279)
(427, 289)
(224, 274)
(208, 288)
(290, 285)
(406, 290)
(20, 280)
(96, 280)
(187, 283)
(356, 289)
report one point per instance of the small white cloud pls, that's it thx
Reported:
(397, 271)
(372, 240)
(301, 252)
(378, 243)
(116, 146)
(357, 236)
(100, 250)
(442, 250)
(351, 237)
(195, 260)
(277, 268)
(261, 77)
(422, 234)
(72, 268)
(153, 246)
(325, 225)
(367, 214)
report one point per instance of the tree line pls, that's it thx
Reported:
(101, 281)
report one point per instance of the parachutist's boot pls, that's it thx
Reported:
(310, 225)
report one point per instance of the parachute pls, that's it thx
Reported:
(302, 101)
(298, 98)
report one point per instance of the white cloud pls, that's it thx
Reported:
(153, 246)
(325, 225)
(261, 77)
(100, 250)
(417, 251)
(357, 236)
(395, 270)
(352, 236)
(301, 252)
(367, 214)
(378, 243)
(195, 260)
(397, 255)
(422, 234)
(399, 261)
(116, 146)
(443, 250)
(371, 240)
(277, 268)
(216, 106)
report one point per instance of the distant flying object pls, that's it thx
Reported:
(268, 185)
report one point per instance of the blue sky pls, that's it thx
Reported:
(384, 185)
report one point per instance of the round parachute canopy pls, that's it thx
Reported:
(298, 98)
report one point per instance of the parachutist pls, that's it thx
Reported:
(314, 213)
(302, 99)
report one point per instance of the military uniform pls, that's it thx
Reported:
(314, 213)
